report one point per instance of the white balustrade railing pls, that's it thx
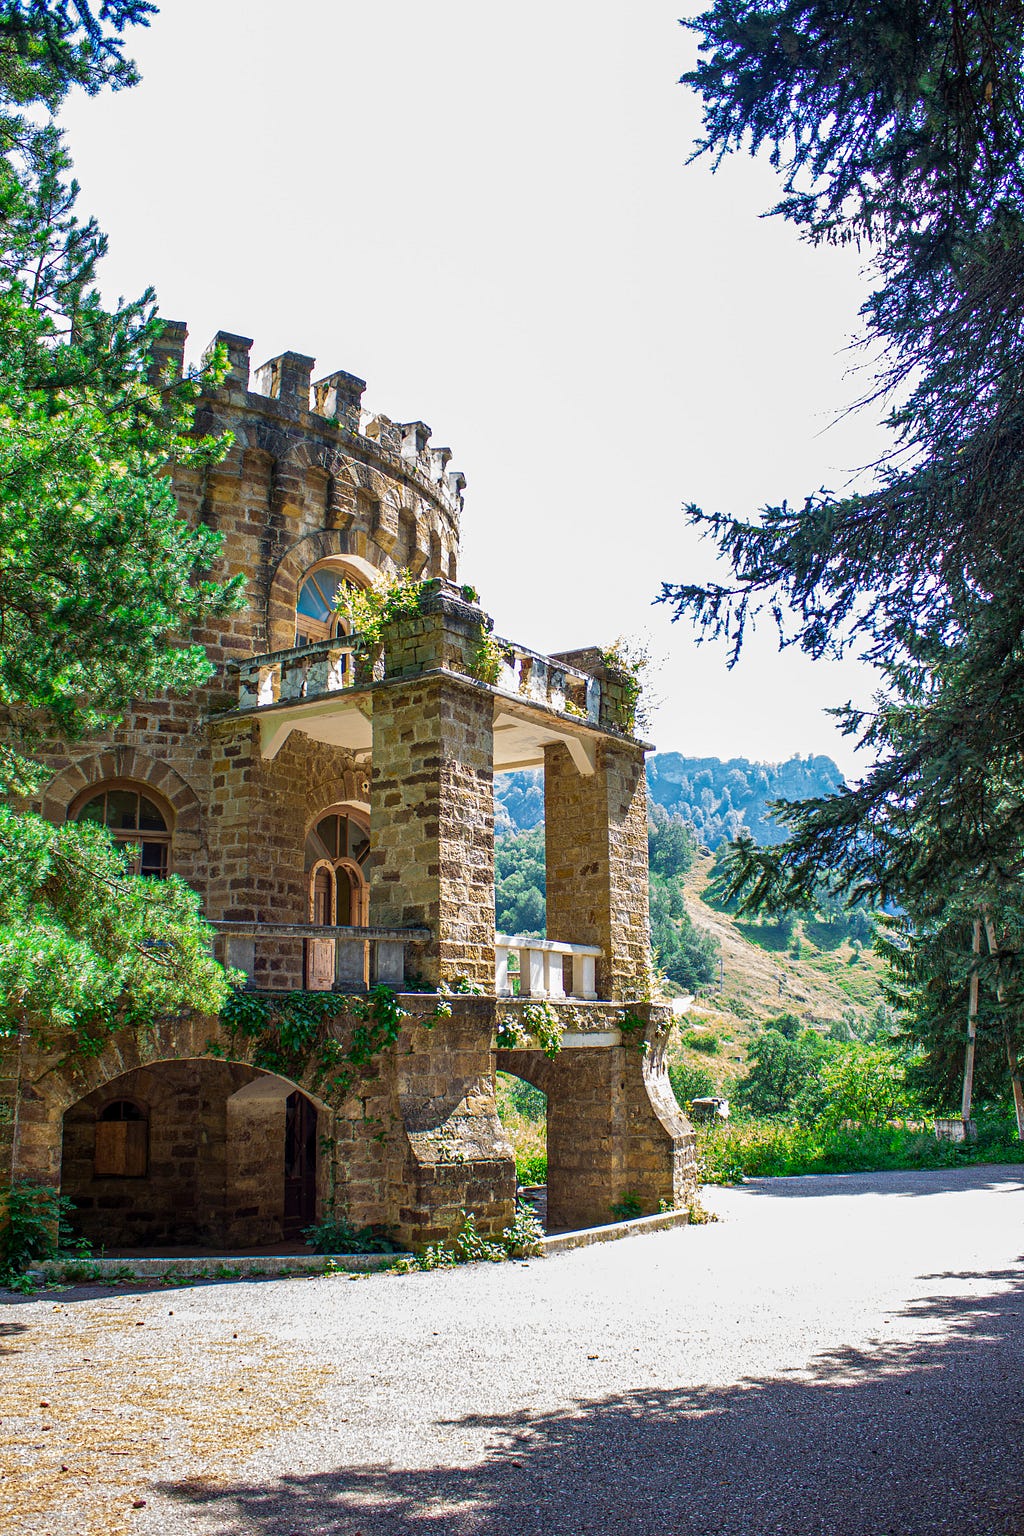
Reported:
(526, 967)
(304, 672)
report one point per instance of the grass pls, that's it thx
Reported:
(772, 1149)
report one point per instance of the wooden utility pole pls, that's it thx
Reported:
(1011, 1058)
(972, 1027)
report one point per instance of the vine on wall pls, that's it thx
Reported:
(297, 1033)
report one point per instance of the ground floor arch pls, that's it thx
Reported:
(192, 1153)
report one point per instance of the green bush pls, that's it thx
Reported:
(531, 1167)
(772, 1149)
(34, 1226)
(335, 1235)
(705, 1042)
(690, 1082)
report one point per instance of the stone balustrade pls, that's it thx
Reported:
(303, 672)
(541, 967)
(546, 680)
(336, 958)
(329, 666)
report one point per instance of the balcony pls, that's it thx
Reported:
(326, 691)
(321, 958)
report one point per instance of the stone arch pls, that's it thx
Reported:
(230, 1157)
(55, 1087)
(327, 544)
(118, 762)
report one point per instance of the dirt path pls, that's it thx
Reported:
(838, 1355)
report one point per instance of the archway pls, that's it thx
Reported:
(523, 1111)
(192, 1154)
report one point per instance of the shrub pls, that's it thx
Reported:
(336, 1235)
(34, 1226)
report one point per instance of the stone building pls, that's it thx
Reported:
(333, 805)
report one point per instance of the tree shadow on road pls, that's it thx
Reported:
(899, 1181)
(905, 1439)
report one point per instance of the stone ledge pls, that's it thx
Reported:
(562, 1242)
(228, 1267)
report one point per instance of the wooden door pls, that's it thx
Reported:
(299, 1165)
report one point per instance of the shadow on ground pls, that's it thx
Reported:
(900, 1440)
(909, 1181)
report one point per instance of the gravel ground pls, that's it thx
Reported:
(837, 1355)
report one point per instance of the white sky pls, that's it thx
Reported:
(486, 213)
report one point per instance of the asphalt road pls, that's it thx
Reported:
(836, 1355)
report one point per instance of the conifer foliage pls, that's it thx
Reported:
(899, 128)
(98, 574)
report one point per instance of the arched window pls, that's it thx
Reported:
(133, 818)
(336, 850)
(122, 1142)
(316, 617)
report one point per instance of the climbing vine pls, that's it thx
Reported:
(535, 1023)
(296, 1033)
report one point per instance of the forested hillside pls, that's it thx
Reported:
(716, 797)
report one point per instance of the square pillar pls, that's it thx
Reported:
(596, 852)
(432, 813)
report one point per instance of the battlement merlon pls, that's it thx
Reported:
(287, 381)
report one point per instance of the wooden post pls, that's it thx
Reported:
(1011, 1059)
(972, 1027)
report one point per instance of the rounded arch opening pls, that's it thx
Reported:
(137, 818)
(194, 1155)
(523, 1111)
(319, 589)
(337, 848)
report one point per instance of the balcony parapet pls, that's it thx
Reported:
(542, 967)
(336, 958)
(307, 672)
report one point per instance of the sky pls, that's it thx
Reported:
(487, 213)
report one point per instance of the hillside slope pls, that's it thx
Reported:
(762, 977)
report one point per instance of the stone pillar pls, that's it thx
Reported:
(596, 852)
(432, 795)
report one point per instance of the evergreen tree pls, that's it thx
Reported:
(98, 575)
(899, 130)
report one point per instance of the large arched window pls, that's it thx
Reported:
(134, 818)
(316, 617)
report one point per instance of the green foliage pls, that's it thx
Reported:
(34, 1226)
(898, 130)
(86, 948)
(626, 1208)
(630, 662)
(778, 1071)
(671, 846)
(370, 609)
(690, 1082)
(687, 954)
(518, 1241)
(99, 575)
(489, 657)
(525, 1099)
(531, 1024)
(336, 1235)
(701, 1040)
(335, 1039)
(728, 1152)
(520, 883)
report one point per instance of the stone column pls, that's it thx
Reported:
(431, 796)
(596, 851)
